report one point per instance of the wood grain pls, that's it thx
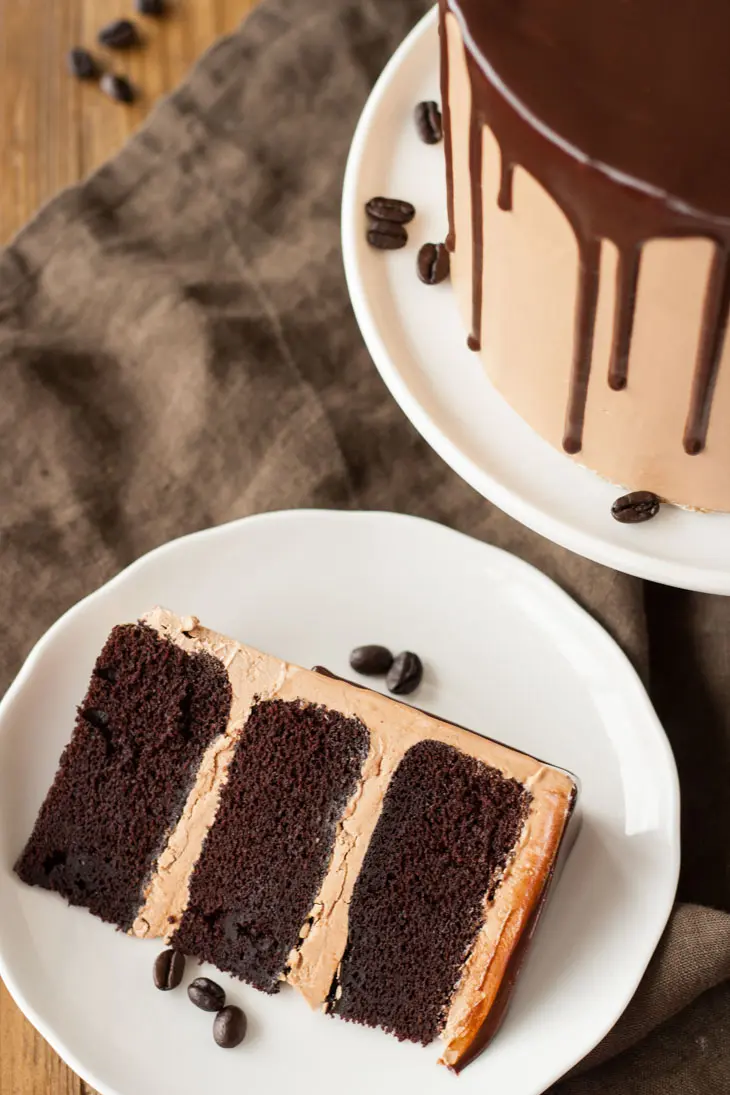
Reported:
(53, 131)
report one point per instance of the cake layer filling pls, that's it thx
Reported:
(296, 767)
(150, 712)
(448, 826)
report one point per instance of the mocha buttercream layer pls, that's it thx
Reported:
(393, 729)
(591, 266)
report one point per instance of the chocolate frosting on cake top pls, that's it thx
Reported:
(639, 86)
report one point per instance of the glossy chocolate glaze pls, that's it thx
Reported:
(446, 123)
(618, 109)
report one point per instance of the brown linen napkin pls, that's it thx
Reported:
(177, 350)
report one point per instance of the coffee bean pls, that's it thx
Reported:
(168, 970)
(81, 64)
(386, 236)
(117, 88)
(372, 660)
(405, 673)
(229, 1027)
(428, 122)
(121, 34)
(390, 209)
(434, 263)
(206, 994)
(151, 7)
(633, 508)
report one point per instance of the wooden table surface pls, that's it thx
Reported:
(54, 131)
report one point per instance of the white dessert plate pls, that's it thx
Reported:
(507, 653)
(417, 341)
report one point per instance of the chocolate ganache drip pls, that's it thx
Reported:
(620, 112)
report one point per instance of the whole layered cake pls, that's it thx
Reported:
(290, 827)
(588, 178)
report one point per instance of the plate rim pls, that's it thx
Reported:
(628, 560)
(525, 571)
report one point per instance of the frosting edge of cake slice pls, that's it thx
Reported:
(482, 996)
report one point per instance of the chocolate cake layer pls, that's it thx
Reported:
(449, 824)
(265, 858)
(149, 714)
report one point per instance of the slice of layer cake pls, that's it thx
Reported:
(387, 864)
(589, 224)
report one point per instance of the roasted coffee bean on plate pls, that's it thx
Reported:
(371, 660)
(168, 970)
(229, 1027)
(428, 122)
(390, 209)
(405, 673)
(117, 88)
(151, 7)
(121, 34)
(434, 263)
(387, 236)
(206, 994)
(633, 508)
(81, 64)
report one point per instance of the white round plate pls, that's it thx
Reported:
(507, 653)
(416, 339)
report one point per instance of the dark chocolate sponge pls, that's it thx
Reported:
(149, 714)
(265, 858)
(448, 825)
